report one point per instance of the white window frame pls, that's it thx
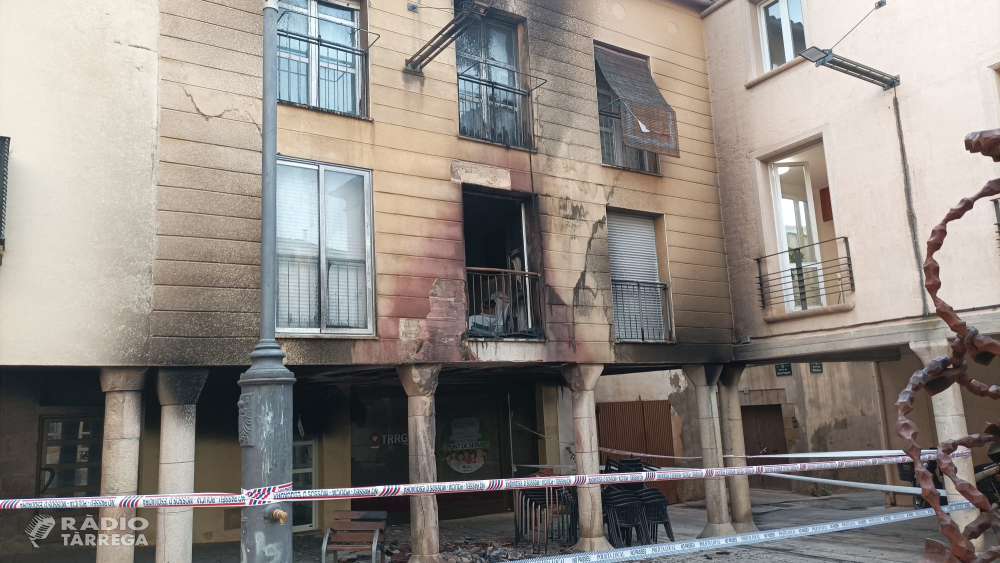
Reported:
(369, 330)
(311, 470)
(313, 15)
(792, 303)
(786, 31)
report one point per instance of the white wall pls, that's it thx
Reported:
(78, 97)
(943, 55)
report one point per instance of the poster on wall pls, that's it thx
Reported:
(465, 444)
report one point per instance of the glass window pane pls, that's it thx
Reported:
(302, 456)
(501, 44)
(773, 35)
(468, 42)
(798, 28)
(346, 250)
(339, 34)
(339, 12)
(298, 247)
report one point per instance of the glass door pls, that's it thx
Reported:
(304, 477)
(802, 277)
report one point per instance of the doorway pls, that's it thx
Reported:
(642, 427)
(764, 434)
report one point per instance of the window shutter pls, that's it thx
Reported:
(636, 291)
(632, 248)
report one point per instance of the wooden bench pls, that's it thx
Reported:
(355, 531)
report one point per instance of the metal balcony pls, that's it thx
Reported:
(642, 311)
(503, 303)
(807, 277)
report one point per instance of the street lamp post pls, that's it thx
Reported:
(265, 405)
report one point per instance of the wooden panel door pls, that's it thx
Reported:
(764, 434)
(638, 426)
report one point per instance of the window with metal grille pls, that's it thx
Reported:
(70, 462)
(322, 56)
(640, 300)
(325, 275)
(492, 104)
(613, 149)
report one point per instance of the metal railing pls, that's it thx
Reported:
(323, 74)
(816, 275)
(996, 210)
(503, 303)
(346, 296)
(492, 106)
(642, 311)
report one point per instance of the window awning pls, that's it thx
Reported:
(648, 122)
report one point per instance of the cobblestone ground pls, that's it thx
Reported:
(489, 539)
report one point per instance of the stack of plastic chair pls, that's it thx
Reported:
(653, 501)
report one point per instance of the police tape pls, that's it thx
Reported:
(267, 495)
(739, 540)
(805, 455)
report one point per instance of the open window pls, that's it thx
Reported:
(502, 291)
(782, 32)
(812, 267)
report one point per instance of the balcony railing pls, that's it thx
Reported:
(807, 277)
(503, 303)
(299, 304)
(492, 106)
(324, 74)
(642, 311)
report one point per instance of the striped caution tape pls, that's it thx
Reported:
(267, 495)
(808, 455)
(739, 540)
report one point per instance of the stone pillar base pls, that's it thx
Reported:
(433, 558)
(716, 530)
(744, 527)
(591, 544)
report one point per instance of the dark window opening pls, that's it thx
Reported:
(502, 292)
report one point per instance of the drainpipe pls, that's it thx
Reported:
(265, 405)
(911, 215)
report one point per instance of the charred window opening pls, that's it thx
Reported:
(613, 149)
(502, 292)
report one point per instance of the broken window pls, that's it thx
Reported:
(502, 292)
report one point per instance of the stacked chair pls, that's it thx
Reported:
(545, 514)
(633, 506)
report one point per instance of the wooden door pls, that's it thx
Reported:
(642, 427)
(764, 433)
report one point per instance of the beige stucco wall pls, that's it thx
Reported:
(78, 98)
(944, 56)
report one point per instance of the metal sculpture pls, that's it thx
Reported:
(939, 375)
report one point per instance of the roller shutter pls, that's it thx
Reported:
(638, 295)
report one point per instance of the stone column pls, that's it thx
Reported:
(705, 377)
(420, 381)
(120, 455)
(949, 420)
(178, 390)
(582, 379)
(731, 427)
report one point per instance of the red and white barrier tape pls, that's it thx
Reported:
(267, 495)
(805, 455)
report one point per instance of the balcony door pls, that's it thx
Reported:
(638, 295)
(795, 214)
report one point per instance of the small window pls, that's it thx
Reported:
(782, 32)
(325, 277)
(321, 62)
(613, 150)
(70, 464)
(492, 105)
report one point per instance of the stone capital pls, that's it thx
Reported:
(419, 380)
(123, 379)
(180, 386)
(731, 374)
(582, 377)
(703, 375)
(928, 350)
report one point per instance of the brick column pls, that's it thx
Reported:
(731, 427)
(120, 453)
(178, 390)
(582, 378)
(705, 377)
(420, 381)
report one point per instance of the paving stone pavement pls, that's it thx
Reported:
(900, 542)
